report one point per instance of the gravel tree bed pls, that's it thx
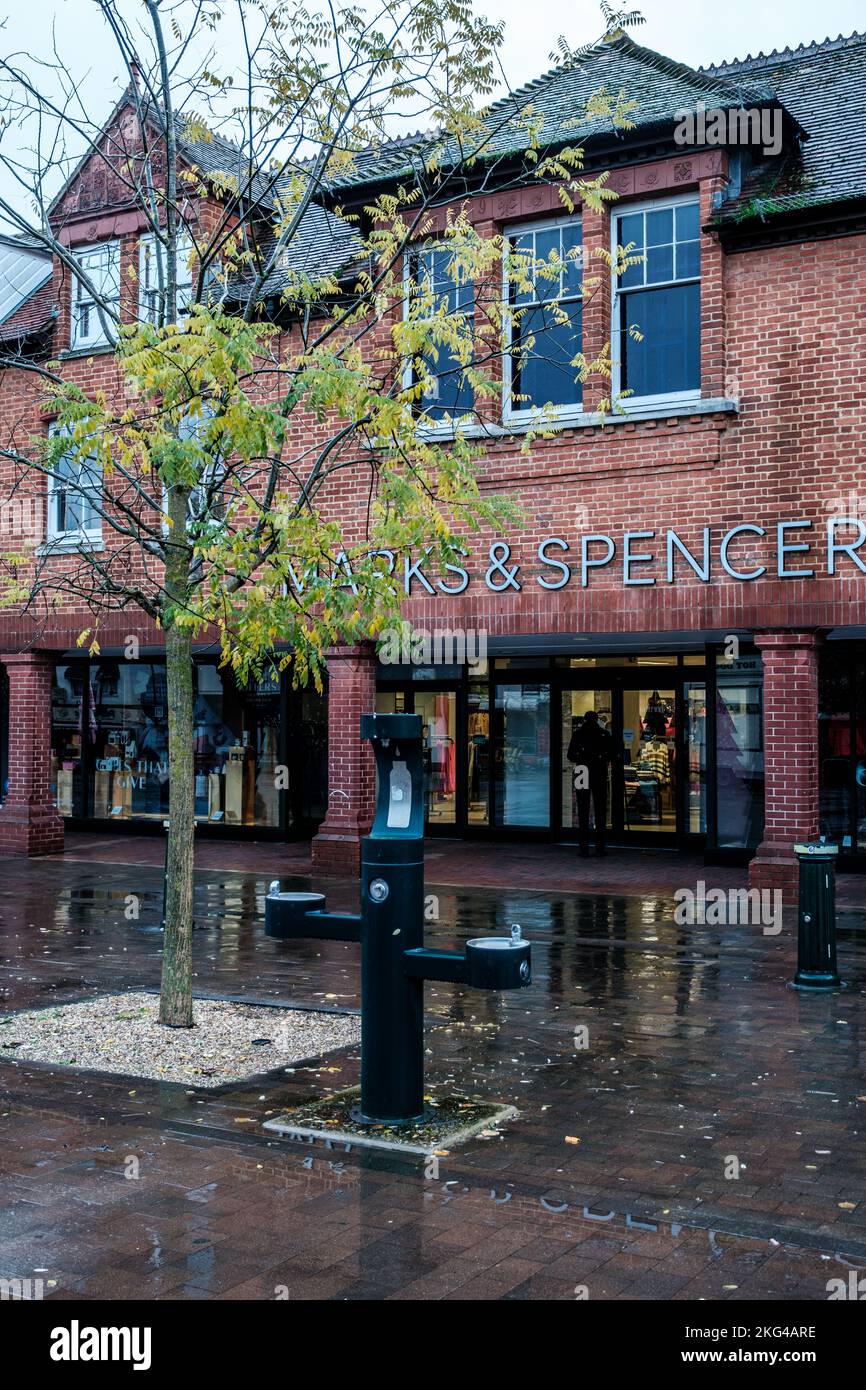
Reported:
(120, 1033)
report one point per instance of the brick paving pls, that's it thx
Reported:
(557, 868)
(697, 1051)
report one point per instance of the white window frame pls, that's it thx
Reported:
(622, 209)
(99, 329)
(529, 414)
(448, 423)
(87, 536)
(148, 295)
(215, 472)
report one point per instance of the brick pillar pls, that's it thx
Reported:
(595, 235)
(791, 811)
(29, 823)
(351, 766)
(716, 380)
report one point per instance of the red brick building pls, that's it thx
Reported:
(690, 566)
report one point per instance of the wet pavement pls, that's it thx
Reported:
(650, 1063)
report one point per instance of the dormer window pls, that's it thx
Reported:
(94, 301)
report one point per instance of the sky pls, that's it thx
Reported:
(694, 34)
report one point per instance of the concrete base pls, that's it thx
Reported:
(433, 1134)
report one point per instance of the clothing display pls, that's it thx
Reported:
(658, 713)
(656, 758)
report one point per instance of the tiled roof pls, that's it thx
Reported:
(23, 268)
(823, 85)
(323, 245)
(35, 314)
(658, 85)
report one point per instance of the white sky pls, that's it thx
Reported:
(695, 34)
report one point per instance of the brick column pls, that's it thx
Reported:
(791, 810)
(715, 378)
(29, 823)
(595, 235)
(351, 766)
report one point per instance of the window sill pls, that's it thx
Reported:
(69, 545)
(628, 414)
(95, 350)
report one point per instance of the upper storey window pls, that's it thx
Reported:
(544, 322)
(660, 299)
(91, 324)
(152, 267)
(442, 292)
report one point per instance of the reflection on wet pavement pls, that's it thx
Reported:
(648, 1060)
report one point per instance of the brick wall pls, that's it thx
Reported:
(782, 330)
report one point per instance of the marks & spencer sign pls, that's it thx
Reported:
(746, 552)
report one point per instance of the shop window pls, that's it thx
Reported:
(94, 301)
(695, 707)
(67, 739)
(522, 717)
(479, 754)
(660, 297)
(74, 493)
(151, 285)
(842, 747)
(308, 722)
(438, 711)
(443, 294)
(544, 325)
(739, 751)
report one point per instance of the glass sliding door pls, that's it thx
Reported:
(649, 762)
(575, 704)
(739, 752)
(695, 742)
(522, 757)
(478, 754)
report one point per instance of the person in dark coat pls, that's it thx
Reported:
(591, 751)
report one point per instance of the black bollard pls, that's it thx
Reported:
(816, 926)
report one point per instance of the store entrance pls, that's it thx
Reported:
(496, 745)
(655, 790)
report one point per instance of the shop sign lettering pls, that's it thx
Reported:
(796, 549)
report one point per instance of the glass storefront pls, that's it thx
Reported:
(522, 758)
(574, 705)
(842, 745)
(260, 752)
(687, 734)
(739, 750)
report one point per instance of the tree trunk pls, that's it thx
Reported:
(175, 1003)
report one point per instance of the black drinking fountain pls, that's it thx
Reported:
(390, 927)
